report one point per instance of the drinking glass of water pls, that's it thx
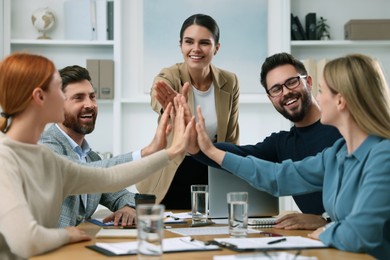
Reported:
(238, 213)
(200, 203)
(150, 225)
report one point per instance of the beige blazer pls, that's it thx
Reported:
(226, 89)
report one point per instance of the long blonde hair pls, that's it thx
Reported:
(360, 80)
(20, 74)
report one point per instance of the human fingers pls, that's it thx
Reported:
(203, 139)
(163, 93)
(109, 218)
(300, 221)
(76, 235)
(180, 100)
(129, 216)
(316, 233)
(185, 89)
(165, 90)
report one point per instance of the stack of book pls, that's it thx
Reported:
(298, 33)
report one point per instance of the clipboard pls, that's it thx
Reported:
(268, 243)
(170, 245)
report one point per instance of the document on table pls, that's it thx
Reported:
(269, 243)
(201, 231)
(170, 245)
(116, 233)
(183, 215)
(169, 219)
(265, 256)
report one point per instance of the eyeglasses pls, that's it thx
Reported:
(290, 84)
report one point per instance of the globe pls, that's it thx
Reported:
(43, 19)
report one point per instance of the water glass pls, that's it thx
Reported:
(199, 203)
(150, 226)
(238, 213)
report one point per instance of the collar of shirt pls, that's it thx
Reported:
(80, 151)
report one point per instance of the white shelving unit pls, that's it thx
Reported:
(60, 43)
(340, 43)
(338, 13)
(20, 35)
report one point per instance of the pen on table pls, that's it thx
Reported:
(120, 227)
(170, 216)
(276, 241)
(269, 234)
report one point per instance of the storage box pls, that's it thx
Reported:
(377, 29)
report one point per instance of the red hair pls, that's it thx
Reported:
(20, 74)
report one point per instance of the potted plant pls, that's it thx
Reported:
(323, 29)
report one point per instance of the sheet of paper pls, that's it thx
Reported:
(184, 215)
(116, 233)
(169, 218)
(175, 244)
(200, 231)
(265, 256)
(262, 242)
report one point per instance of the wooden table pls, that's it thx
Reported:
(79, 251)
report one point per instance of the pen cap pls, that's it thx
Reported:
(144, 199)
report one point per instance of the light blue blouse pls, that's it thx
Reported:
(356, 190)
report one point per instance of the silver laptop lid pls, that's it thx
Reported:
(260, 203)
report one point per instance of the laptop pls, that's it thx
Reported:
(260, 203)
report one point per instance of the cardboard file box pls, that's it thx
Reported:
(102, 77)
(378, 29)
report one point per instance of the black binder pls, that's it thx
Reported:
(297, 32)
(311, 26)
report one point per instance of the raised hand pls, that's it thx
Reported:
(193, 147)
(181, 133)
(204, 141)
(165, 94)
(160, 138)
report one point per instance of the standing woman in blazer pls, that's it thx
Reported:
(215, 90)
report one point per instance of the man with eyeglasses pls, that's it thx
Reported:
(289, 88)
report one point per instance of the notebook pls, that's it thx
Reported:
(260, 203)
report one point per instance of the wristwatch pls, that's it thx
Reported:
(326, 217)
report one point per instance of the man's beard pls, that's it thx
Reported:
(71, 122)
(297, 116)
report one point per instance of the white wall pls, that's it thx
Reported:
(257, 116)
(1, 28)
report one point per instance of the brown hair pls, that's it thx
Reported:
(277, 60)
(202, 20)
(20, 74)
